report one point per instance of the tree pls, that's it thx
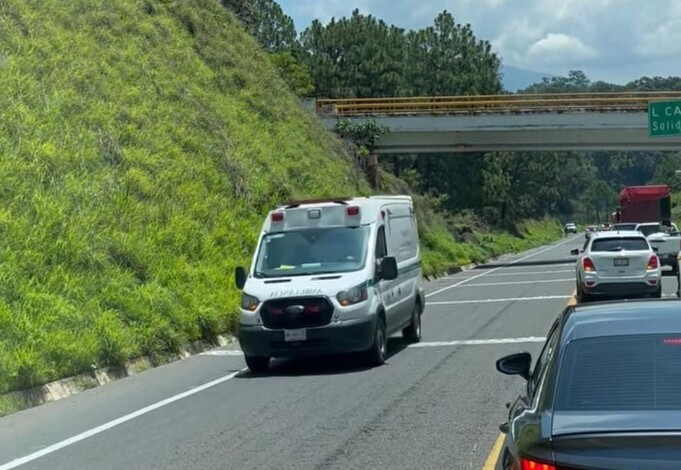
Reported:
(267, 22)
(356, 57)
(447, 59)
(295, 74)
(575, 82)
(655, 84)
(244, 11)
(598, 201)
(665, 170)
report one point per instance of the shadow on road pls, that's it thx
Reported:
(324, 365)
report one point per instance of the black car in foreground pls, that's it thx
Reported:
(604, 393)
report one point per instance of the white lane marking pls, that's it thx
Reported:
(429, 344)
(223, 352)
(529, 273)
(513, 299)
(513, 283)
(124, 419)
(484, 273)
(476, 342)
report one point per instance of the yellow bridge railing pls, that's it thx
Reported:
(493, 104)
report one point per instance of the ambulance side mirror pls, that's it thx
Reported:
(388, 268)
(240, 277)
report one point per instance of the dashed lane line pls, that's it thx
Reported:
(510, 299)
(515, 283)
(530, 273)
(510, 263)
(477, 342)
(423, 344)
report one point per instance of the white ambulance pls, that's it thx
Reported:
(332, 276)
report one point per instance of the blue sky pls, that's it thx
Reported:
(613, 40)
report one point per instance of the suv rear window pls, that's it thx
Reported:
(619, 244)
(624, 227)
(649, 229)
(623, 373)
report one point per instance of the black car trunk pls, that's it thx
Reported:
(618, 451)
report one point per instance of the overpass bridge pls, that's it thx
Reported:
(518, 122)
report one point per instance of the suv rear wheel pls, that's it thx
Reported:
(258, 364)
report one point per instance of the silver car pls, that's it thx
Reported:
(617, 264)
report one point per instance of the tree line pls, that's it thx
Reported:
(361, 56)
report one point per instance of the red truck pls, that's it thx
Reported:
(644, 204)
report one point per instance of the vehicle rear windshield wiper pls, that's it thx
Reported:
(617, 248)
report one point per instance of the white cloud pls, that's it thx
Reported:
(559, 48)
(618, 39)
(660, 33)
(663, 41)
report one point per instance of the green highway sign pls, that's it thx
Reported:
(664, 118)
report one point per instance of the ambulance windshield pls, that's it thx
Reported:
(312, 251)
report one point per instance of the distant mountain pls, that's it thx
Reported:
(515, 78)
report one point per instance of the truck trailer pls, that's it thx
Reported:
(639, 204)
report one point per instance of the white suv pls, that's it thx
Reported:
(617, 264)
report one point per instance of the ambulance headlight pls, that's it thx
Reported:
(353, 296)
(248, 302)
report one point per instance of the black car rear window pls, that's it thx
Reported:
(624, 373)
(618, 244)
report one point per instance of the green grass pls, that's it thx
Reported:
(676, 208)
(141, 143)
(9, 405)
(442, 251)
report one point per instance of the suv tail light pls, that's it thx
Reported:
(653, 263)
(588, 265)
(528, 464)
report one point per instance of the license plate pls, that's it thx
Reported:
(622, 262)
(295, 335)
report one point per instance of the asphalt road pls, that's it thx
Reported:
(435, 405)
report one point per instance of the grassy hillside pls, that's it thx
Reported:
(141, 143)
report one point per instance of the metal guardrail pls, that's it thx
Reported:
(493, 104)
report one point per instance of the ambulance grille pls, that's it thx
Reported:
(296, 312)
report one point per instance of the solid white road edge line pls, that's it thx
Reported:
(484, 273)
(223, 352)
(124, 419)
(475, 342)
(514, 283)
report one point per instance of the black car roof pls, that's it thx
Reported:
(622, 318)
